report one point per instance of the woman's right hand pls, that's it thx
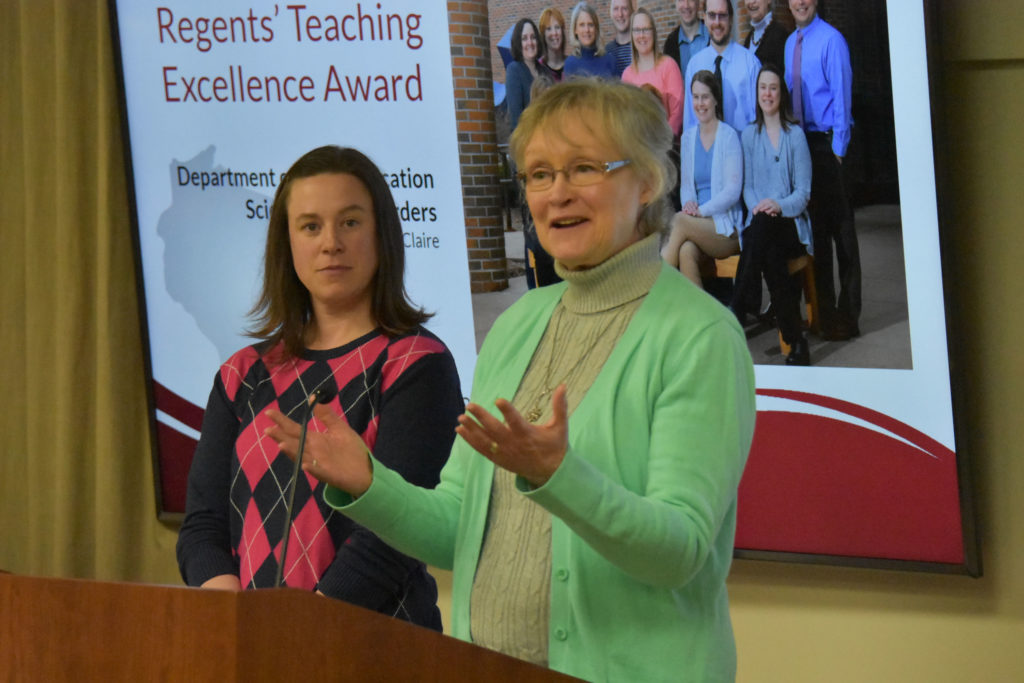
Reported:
(691, 208)
(337, 456)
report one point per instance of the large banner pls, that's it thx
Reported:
(855, 459)
(221, 98)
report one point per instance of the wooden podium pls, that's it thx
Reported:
(68, 629)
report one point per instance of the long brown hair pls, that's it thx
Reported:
(284, 309)
(707, 78)
(785, 104)
(516, 45)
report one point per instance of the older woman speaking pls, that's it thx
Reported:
(589, 509)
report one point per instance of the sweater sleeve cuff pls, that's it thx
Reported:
(203, 567)
(573, 490)
(380, 505)
(334, 583)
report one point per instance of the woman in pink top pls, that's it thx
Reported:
(652, 68)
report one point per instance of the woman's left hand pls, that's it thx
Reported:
(532, 451)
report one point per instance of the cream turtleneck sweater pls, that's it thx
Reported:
(509, 606)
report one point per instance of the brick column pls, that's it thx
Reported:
(478, 152)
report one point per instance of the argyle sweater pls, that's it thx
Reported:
(400, 394)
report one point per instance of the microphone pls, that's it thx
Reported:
(324, 395)
(319, 395)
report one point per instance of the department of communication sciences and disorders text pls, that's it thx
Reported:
(268, 179)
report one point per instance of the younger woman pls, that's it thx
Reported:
(333, 314)
(776, 189)
(711, 180)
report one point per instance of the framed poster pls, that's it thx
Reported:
(857, 459)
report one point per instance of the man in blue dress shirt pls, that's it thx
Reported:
(738, 67)
(689, 38)
(820, 81)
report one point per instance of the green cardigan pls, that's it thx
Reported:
(643, 506)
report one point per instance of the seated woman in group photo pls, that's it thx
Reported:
(333, 316)
(588, 509)
(711, 182)
(776, 189)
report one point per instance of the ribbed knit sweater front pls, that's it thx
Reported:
(509, 607)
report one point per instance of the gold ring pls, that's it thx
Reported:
(494, 448)
(314, 462)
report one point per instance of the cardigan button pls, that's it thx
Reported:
(561, 634)
(562, 574)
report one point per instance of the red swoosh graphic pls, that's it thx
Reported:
(179, 408)
(901, 429)
(819, 485)
(174, 447)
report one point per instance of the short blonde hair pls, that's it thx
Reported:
(629, 119)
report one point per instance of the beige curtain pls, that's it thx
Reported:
(76, 482)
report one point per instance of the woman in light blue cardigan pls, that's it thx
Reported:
(711, 180)
(776, 189)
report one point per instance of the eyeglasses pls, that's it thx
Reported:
(643, 31)
(579, 173)
(717, 16)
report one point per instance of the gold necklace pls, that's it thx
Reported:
(537, 409)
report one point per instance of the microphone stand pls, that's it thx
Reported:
(307, 412)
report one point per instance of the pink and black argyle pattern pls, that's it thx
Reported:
(400, 394)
